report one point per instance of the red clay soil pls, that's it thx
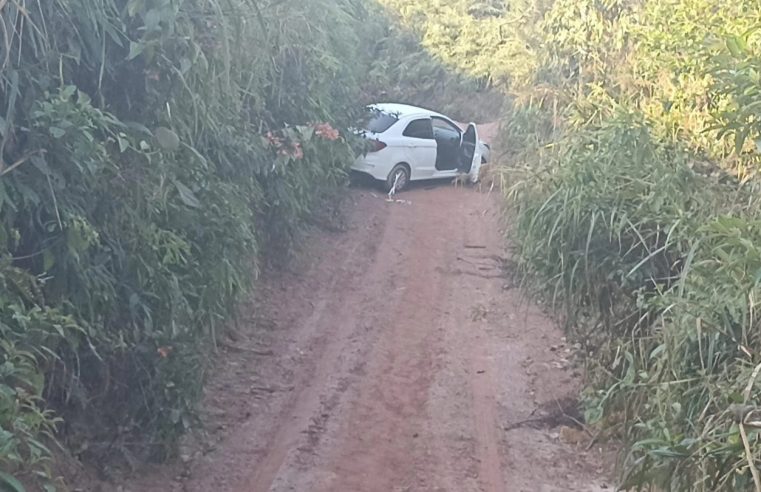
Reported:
(395, 356)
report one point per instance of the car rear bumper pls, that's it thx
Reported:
(371, 165)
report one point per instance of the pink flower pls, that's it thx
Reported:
(327, 132)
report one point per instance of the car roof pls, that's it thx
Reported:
(404, 110)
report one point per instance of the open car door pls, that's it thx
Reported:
(470, 154)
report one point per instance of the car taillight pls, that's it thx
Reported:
(376, 145)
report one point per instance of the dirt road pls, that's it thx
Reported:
(396, 356)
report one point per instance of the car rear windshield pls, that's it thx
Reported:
(379, 122)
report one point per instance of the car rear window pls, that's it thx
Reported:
(379, 122)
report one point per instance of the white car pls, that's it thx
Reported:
(407, 143)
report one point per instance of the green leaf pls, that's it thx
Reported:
(741, 43)
(9, 483)
(68, 91)
(135, 50)
(306, 133)
(167, 139)
(734, 47)
(757, 278)
(185, 65)
(48, 260)
(186, 195)
(198, 155)
(123, 143)
(152, 20)
(657, 350)
(740, 139)
(56, 132)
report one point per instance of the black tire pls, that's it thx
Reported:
(403, 172)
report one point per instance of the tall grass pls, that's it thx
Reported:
(656, 263)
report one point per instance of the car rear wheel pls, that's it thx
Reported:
(398, 178)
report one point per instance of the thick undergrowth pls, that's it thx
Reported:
(632, 174)
(154, 152)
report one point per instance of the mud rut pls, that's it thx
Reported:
(396, 356)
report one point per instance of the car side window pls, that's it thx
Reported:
(419, 129)
(443, 128)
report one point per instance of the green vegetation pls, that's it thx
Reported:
(632, 161)
(649, 221)
(154, 152)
